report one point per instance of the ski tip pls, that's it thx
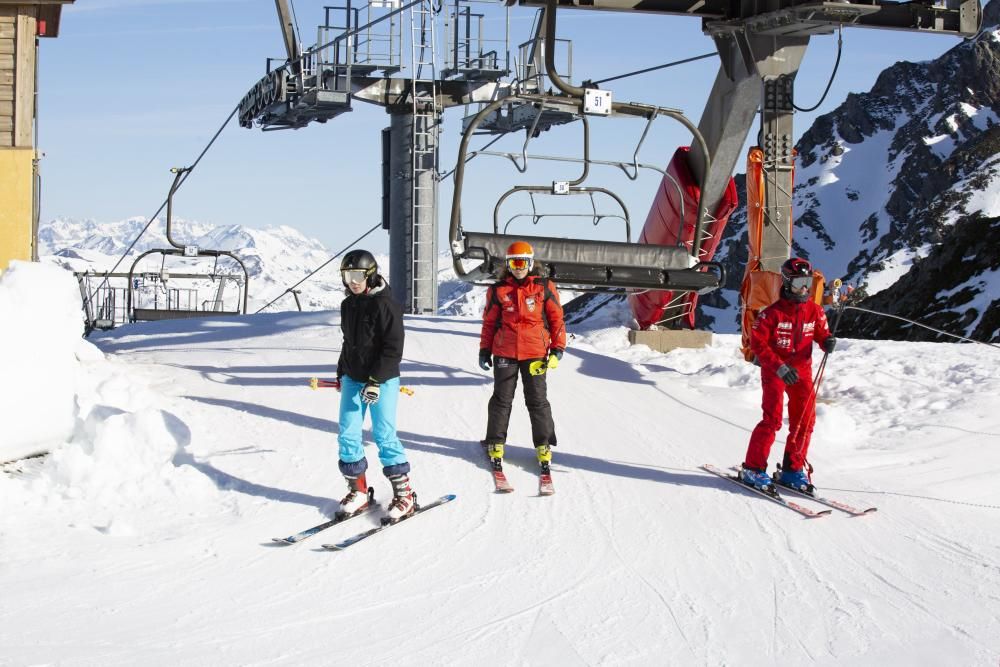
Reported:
(284, 540)
(332, 547)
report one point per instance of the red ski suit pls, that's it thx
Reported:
(783, 334)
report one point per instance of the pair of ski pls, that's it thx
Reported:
(342, 518)
(733, 476)
(502, 485)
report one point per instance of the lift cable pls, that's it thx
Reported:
(836, 64)
(904, 319)
(295, 20)
(321, 266)
(653, 69)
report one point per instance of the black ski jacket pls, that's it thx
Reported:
(373, 336)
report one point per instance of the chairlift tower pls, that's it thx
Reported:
(360, 57)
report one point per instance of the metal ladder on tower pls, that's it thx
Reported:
(424, 158)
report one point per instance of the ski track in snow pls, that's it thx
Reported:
(639, 558)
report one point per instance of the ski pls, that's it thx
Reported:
(337, 518)
(795, 507)
(545, 487)
(340, 546)
(836, 504)
(500, 483)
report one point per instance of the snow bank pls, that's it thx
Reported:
(114, 447)
(41, 350)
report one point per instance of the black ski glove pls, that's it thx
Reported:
(787, 374)
(829, 344)
(370, 392)
(485, 359)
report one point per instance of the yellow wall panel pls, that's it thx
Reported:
(15, 205)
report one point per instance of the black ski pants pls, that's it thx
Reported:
(505, 372)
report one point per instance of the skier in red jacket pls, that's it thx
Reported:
(523, 333)
(782, 341)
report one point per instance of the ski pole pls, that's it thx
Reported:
(320, 383)
(818, 379)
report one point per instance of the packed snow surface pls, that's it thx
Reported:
(182, 448)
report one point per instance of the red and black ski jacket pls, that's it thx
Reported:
(523, 320)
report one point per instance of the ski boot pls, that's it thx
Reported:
(758, 479)
(544, 454)
(358, 496)
(495, 452)
(795, 479)
(404, 501)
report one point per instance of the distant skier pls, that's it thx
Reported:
(523, 333)
(782, 340)
(368, 377)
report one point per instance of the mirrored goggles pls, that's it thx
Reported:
(520, 263)
(800, 283)
(354, 275)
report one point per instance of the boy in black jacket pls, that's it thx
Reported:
(368, 379)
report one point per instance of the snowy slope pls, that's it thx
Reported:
(146, 537)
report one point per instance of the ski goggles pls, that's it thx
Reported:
(354, 275)
(520, 263)
(800, 283)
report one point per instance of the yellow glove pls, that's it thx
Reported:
(554, 358)
(539, 367)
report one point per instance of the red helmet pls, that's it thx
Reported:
(797, 278)
(796, 266)
(520, 255)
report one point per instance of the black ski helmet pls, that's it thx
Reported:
(360, 260)
(796, 267)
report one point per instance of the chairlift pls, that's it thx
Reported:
(586, 265)
(179, 302)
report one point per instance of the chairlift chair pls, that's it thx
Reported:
(150, 314)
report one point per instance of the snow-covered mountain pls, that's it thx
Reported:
(909, 211)
(276, 257)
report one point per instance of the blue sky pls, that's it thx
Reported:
(134, 87)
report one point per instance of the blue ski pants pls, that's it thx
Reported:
(352, 417)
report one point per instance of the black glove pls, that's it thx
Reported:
(370, 392)
(485, 359)
(829, 344)
(557, 352)
(787, 374)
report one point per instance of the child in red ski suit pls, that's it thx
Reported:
(782, 341)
